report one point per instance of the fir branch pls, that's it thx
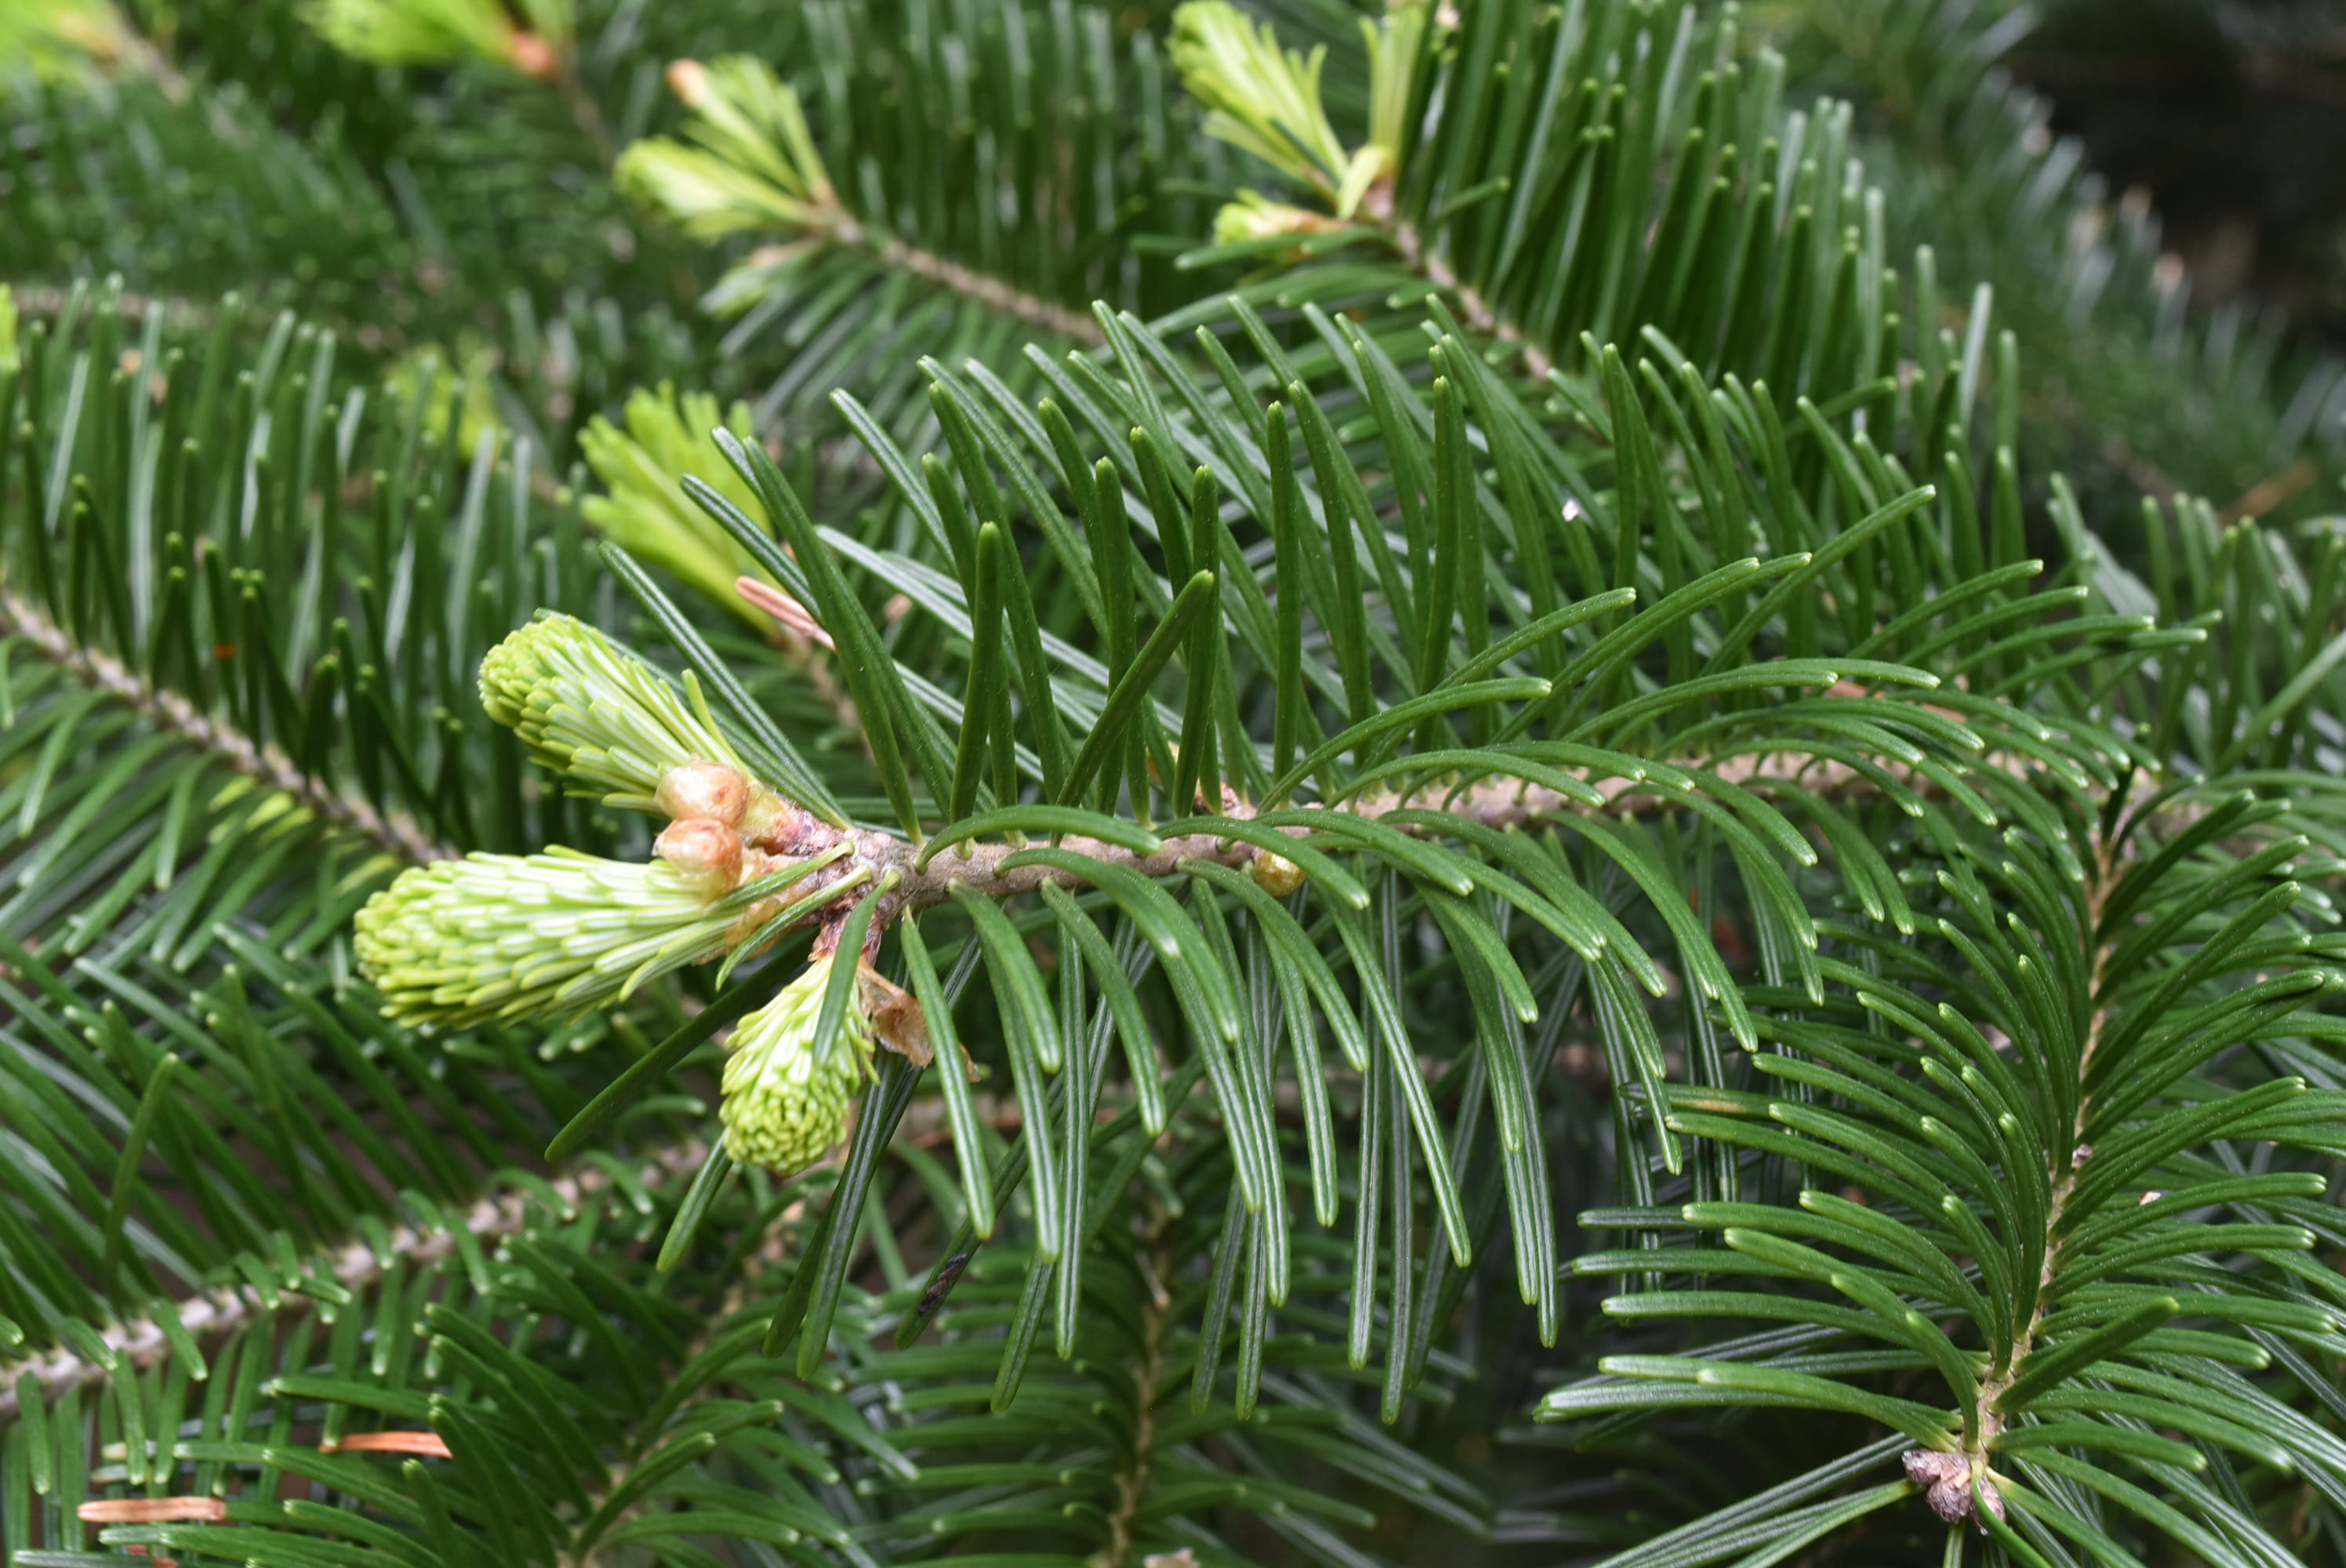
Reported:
(971, 284)
(584, 112)
(216, 1313)
(175, 715)
(1147, 1374)
(181, 314)
(848, 234)
(2065, 1168)
(927, 874)
(47, 304)
(756, 170)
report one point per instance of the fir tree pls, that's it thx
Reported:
(885, 782)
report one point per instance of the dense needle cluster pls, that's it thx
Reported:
(458, 942)
(788, 1091)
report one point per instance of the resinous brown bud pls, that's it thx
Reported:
(703, 848)
(712, 791)
(1276, 874)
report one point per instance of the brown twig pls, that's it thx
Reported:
(1502, 804)
(1016, 303)
(1148, 1372)
(1951, 1475)
(353, 1268)
(1475, 313)
(48, 304)
(2273, 490)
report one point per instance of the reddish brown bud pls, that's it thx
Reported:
(689, 80)
(793, 615)
(708, 790)
(430, 1445)
(708, 853)
(533, 57)
(784, 827)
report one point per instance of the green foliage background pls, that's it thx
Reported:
(1824, 660)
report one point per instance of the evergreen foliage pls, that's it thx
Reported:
(888, 782)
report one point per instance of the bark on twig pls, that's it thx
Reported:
(353, 1268)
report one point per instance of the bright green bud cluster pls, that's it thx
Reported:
(426, 375)
(460, 942)
(786, 1092)
(1257, 96)
(441, 32)
(588, 709)
(1266, 100)
(60, 40)
(1395, 42)
(756, 169)
(702, 194)
(648, 512)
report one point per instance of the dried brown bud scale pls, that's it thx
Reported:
(1947, 1477)
(896, 1015)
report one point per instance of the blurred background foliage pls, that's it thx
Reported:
(403, 203)
(2233, 115)
(2216, 130)
(2155, 189)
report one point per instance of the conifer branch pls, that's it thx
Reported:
(2066, 1168)
(130, 306)
(1148, 1375)
(183, 314)
(1987, 1038)
(990, 292)
(755, 170)
(175, 715)
(1499, 804)
(951, 276)
(141, 1343)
